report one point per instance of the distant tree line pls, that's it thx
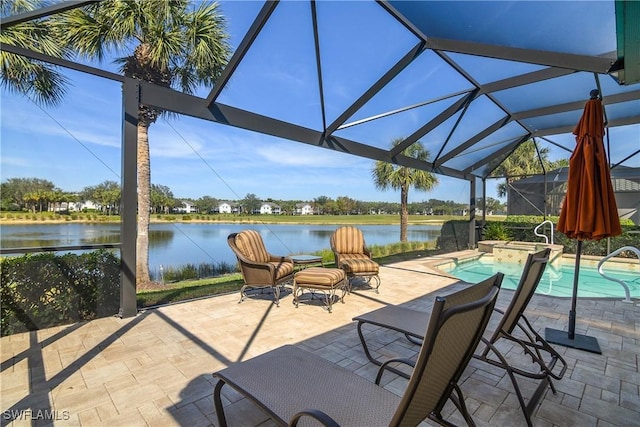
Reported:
(33, 194)
(41, 195)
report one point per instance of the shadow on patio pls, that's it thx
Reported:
(155, 369)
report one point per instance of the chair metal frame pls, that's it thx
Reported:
(292, 385)
(543, 356)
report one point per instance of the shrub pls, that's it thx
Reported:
(530, 219)
(523, 231)
(454, 235)
(44, 290)
(496, 231)
(327, 256)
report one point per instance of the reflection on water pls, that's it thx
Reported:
(160, 238)
(101, 239)
(176, 244)
(86, 234)
(321, 234)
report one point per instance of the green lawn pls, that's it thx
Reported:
(189, 289)
(8, 217)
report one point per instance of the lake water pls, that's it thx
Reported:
(177, 244)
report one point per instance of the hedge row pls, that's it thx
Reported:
(44, 290)
(455, 236)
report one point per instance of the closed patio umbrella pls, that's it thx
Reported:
(589, 211)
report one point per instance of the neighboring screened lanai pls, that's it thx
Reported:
(470, 80)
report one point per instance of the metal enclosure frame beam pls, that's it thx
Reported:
(474, 139)
(570, 61)
(10, 21)
(129, 199)
(316, 46)
(434, 123)
(377, 86)
(243, 48)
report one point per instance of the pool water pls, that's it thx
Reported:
(555, 281)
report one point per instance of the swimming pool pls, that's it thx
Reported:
(556, 281)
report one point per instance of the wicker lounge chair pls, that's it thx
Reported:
(513, 327)
(291, 384)
(260, 269)
(351, 254)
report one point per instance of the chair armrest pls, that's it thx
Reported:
(316, 414)
(278, 258)
(256, 273)
(386, 366)
(260, 265)
(336, 258)
(253, 264)
(366, 251)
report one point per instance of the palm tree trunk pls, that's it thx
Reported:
(404, 213)
(144, 186)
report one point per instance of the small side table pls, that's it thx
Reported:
(304, 261)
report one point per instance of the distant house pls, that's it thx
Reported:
(304, 209)
(268, 208)
(377, 211)
(224, 208)
(186, 207)
(480, 212)
(62, 207)
(85, 205)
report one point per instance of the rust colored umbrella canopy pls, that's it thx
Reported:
(589, 211)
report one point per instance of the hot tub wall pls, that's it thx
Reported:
(517, 252)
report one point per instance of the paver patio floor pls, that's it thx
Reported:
(155, 369)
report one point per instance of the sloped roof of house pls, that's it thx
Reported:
(621, 173)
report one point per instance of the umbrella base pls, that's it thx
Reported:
(580, 342)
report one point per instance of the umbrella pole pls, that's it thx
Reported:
(574, 295)
(570, 339)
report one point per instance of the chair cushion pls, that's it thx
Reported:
(349, 240)
(358, 263)
(250, 243)
(319, 276)
(282, 269)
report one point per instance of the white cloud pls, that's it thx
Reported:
(21, 116)
(15, 161)
(302, 155)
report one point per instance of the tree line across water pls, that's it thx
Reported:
(41, 195)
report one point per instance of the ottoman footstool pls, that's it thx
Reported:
(318, 279)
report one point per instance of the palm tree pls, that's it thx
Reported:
(387, 175)
(521, 162)
(524, 161)
(38, 80)
(176, 44)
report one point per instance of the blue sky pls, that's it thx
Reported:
(78, 143)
